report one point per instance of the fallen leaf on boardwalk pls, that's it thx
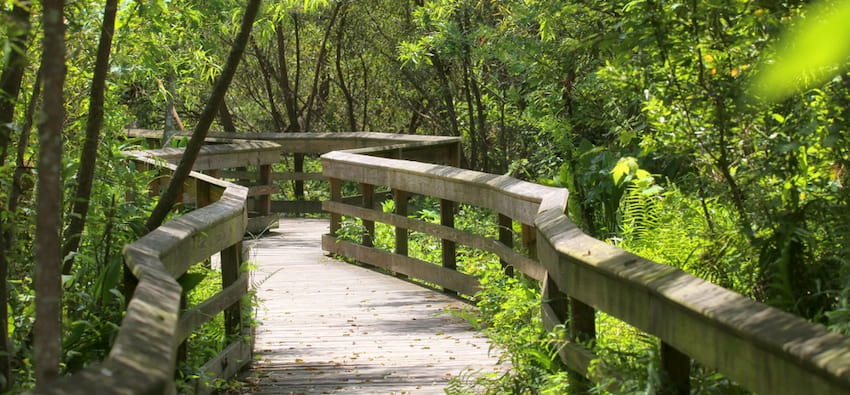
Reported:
(299, 360)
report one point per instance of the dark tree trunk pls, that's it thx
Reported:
(88, 157)
(225, 118)
(343, 86)
(10, 80)
(266, 70)
(290, 98)
(320, 64)
(48, 259)
(10, 86)
(207, 116)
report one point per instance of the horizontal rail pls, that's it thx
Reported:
(762, 348)
(142, 358)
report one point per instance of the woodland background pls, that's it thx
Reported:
(640, 108)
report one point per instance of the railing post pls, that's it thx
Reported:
(231, 261)
(299, 168)
(529, 240)
(368, 191)
(401, 234)
(506, 237)
(676, 370)
(582, 330)
(264, 202)
(449, 249)
(336, 196)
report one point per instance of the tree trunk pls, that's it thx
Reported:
(10, 80)
(343, 86)
(88, 157)
(175, 186)
(10, 86)
(290, 98)
(320, 64)
(48, 259)
(266, 70)
(225, 118)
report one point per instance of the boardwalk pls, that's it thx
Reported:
(331, 327)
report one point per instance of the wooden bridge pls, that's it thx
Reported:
(334, 327)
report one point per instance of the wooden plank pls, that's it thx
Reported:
(261, 190)
(762, 348)
(522, 263)
(517, 199)
(276, 176)
(464, 284)
(195, 317)
(236, 356)
(380, 334)
(221, 156)
(261, 224)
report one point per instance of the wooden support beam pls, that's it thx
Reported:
(506, 237)
(449, 248)
(368, 191)
(675, 371)
(336, 196)
(264, 202)
(231, 262)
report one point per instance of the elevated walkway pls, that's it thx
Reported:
(329, 327)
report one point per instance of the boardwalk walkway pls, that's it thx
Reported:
(332, 327)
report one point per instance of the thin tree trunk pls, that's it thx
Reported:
(266, 70)
(320, 63)
(10, 80)
(48, 259)
(7, 236)
(290, 99)
(225, 118)
(88, 157)
(343, 86)
(175, 186)
(10, 86)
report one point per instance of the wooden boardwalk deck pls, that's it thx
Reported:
(332, 327)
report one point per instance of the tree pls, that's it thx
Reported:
(175, 186)
(48, 334)
(88, 156)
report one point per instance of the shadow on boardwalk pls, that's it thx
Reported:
(331, 327)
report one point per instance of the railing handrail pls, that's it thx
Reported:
(142, 358)
(760, 347)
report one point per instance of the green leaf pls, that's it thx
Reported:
(625, 167)
(809, 54)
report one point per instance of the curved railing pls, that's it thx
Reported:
(142, 358)
(761, 348)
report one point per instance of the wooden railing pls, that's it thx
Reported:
(761, 348)
(142, 359)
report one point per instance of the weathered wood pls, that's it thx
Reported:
(463, 284)
(761, 348)
(336, 196)
(368, 192)
(513, 258)
(212, 157)
(276, 176)
(196, 316)
(263, 190)
(381, 335)
(506, 237)
(231, 267)
(401, 233)
(517, 199)
(261, 224)
(264, 202)
(230, 361)
(676, 371)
